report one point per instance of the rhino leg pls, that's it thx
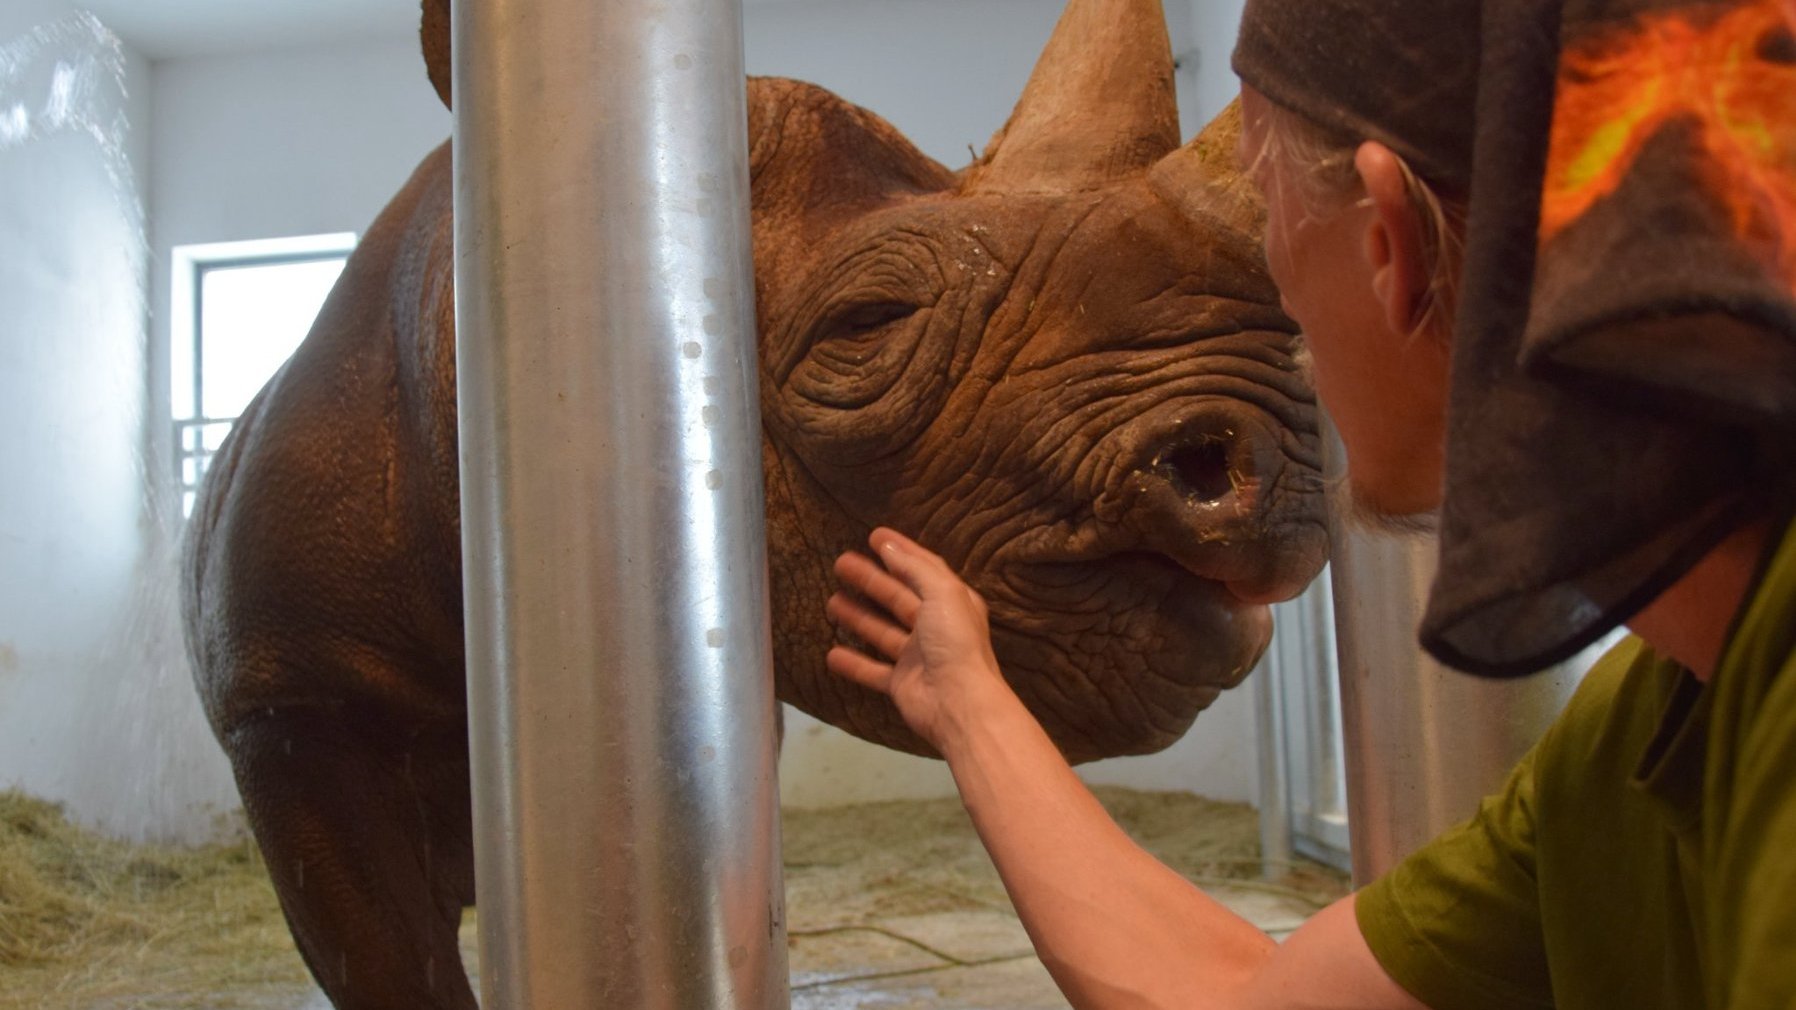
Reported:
(369, 848)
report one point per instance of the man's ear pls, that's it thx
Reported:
(1393, 241)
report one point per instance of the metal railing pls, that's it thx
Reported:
(197, 440)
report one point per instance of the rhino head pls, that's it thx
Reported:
(1063, 367)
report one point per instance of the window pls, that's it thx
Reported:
(238, 312)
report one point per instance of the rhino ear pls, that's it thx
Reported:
(433, 32)
(1204, 178)
(815, 156)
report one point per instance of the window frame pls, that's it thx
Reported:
(189, 266)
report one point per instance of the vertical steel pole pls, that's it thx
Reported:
(619, 660)
(1423, 743)
(1274, 771)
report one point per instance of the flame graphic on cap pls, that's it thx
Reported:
(1731, 77)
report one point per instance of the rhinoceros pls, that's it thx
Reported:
(1063, 366)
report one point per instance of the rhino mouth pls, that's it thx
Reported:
(1256, 561)
(1177, 583)
(1117, 653)
(1241, 592)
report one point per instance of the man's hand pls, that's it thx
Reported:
(929, 630)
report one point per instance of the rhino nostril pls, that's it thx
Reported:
(1198, 471)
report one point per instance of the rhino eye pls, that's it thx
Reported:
(858, 354)
(866, 318)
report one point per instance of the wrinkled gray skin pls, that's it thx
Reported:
(1073, 382)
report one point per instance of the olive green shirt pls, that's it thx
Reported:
(1642, 856)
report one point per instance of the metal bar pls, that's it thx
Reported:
(619, 659)
(1302, 809)
(199, 340)
(1274, 773)
(1423, 743)
(277, 260)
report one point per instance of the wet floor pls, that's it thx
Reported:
(890, 906)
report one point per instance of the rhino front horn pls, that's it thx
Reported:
(433, 34)
(1099, 106)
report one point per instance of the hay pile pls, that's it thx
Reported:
(95, 924)
(90, 923)
(859, 864)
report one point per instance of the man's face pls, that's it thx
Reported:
(1384, 387)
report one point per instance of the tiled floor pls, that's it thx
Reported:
(967, 960)
(896, 907)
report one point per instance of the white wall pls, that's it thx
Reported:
(278, 143)
(275, 144)
(946, 72)
(95, 705)
(73, 515)
(1207, 83)
(97, 709)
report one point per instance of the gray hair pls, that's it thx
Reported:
(1327, 181)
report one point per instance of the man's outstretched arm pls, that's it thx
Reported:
(1115, 927)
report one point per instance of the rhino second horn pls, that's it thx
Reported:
(1203, 178)
(1099, 106)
